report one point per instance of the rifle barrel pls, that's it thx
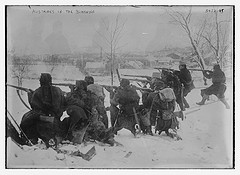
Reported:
(196, 69)
(140, 76)
(63, 84)
(135, 79)
(163, 68)
(20, 88)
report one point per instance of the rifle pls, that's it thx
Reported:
(24, 89)
(71, 86)
(20, 129)
(199, 70)
(139, 76)
(108, 87)
(135, 79)
(20, 88)
(163, 68)
(63, 84)
(142, 89)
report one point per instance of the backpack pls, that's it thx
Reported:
(167, 94)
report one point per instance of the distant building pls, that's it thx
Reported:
(174, 56)
(95, 68)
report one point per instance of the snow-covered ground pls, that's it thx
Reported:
(207, 138)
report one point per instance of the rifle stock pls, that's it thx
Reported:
(63, 84)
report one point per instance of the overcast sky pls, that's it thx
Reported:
(68, 29)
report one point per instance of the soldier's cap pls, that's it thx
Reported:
(159, 85)
(156, 75)
(216, 67)
(89, 80)
(124, 82)
(45, 79)
(81, 84)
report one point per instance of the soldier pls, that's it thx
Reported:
(150, 105)
(161, 105)
(99, 92)
(48, 104)
(218, 87)
(76, 109)
(88, 101)
(173, 81)
(127, 98)
(186, 80)
(156, 77)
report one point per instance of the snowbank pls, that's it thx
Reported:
(206, 133)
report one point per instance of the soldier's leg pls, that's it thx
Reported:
(205, 96)
(153, 115)
(179, 100)
(77, 116)
(220, 95)
(114, 112)
(102, 111)
(28, 125)
(223, 100)
(186, 105)
(77, 120)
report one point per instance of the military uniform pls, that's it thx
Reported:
(218, 86)
(46, 101)
(185, 78)
(172, 81)
(127, 99)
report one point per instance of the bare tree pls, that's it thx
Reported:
(20, 68)
(184, 19)
(110, 34)
(216, 36)
(53, 62)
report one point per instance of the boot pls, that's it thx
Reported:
(223, 100)
(149, 131)
(204, 98)
(186, 105)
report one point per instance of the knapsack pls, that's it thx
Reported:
(167, 94)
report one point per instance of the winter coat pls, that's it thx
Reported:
(48, 100)
(185, 77)
(76, 98)
(127, 98)
(218, 76)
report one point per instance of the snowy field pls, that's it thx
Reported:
(207, 136)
